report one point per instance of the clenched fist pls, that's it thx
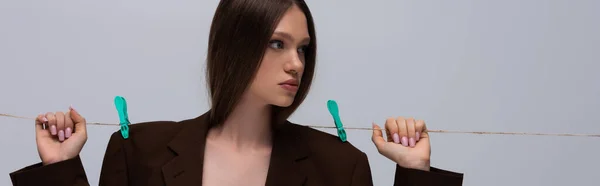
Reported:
(407, 142)
(60, 136)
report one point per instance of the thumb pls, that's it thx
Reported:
(80, 123)
(378, 137)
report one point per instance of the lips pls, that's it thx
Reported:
(290, 85)
(292, 82)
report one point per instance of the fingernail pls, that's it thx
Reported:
(45, 120)
(53, 129)
(418, 136)
(412, 142)
(405, 141)
(396, 138)
(68, 132)
(61, 135)
(73, 109)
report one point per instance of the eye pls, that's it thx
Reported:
(276, 44)
(302, 49)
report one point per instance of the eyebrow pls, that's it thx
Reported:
(289, 37)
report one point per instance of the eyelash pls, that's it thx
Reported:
(278, 44)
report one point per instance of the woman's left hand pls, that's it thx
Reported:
(407, 142)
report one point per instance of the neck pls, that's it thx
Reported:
(248, 126)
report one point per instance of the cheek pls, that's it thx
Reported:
(272, 64)
(266, 74)
(301, 72)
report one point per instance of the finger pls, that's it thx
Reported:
(410, 127)
(68, 125)
(79, 121)
(419, 126)
(388, 135)
(378, 137)
(51, 122)
(60, 125)
(403, 131)
(391, 129)
(40, 121)
(424, 134)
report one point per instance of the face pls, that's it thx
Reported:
(280, 71)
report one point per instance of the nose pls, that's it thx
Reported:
(295, 64)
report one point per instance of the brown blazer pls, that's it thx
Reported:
(172, 153)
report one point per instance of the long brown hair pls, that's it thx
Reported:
(239, 35)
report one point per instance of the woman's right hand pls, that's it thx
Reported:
(63, 138)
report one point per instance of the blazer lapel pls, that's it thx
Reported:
(287, 165)
(188, 146)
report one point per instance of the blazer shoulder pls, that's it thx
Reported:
(154, 129)
(323, 144)
(147, 136)
(331, 158)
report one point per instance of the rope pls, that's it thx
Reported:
(370, 129)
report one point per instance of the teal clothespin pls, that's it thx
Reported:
(123, 117)
(335, 113)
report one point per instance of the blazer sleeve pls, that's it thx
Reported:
(406, 177)
(71, 172)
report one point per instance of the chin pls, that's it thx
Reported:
(283, 101)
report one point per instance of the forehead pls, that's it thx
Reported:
(294, 23)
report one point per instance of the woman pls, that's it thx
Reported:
(261, 59)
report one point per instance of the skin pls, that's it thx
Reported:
(238, 152)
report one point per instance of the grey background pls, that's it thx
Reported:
(511, 65)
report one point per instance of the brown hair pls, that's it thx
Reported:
(239, 35)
